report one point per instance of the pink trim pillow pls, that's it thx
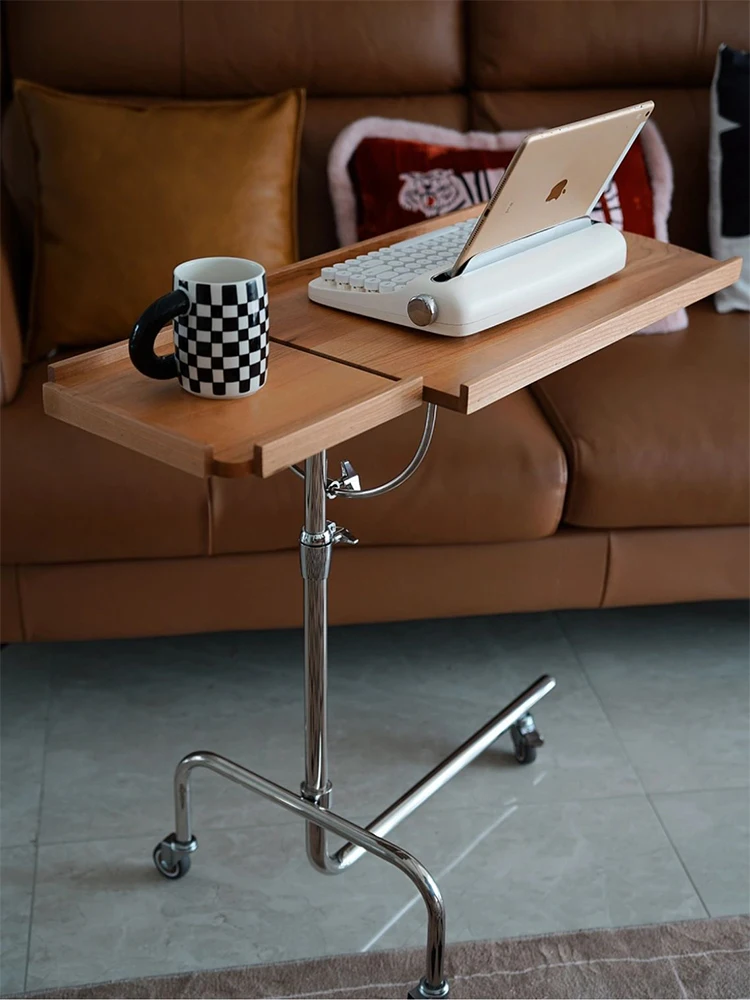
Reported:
(375, 188)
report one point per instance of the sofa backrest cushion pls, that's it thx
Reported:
(499, 64)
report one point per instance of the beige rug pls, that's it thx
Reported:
(700, 958)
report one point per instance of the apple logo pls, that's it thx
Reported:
(557, 190)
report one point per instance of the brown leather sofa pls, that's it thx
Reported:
(620, 480)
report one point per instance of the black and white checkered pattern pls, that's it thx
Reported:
(221, 345)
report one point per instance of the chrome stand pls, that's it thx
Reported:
(172, 855)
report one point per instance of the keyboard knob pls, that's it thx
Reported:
(422, 310)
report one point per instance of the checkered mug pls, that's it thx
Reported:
(219, 309)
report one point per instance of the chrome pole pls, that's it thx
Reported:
(316, 542)
(315, 559)
(318, 817)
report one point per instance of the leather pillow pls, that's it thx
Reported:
(127, 189)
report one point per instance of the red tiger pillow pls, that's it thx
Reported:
(385, 174)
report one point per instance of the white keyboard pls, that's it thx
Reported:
(392, 268)
(406, 283)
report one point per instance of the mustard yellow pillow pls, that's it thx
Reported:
(128, 189)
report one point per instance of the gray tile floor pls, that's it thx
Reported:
(636, 810)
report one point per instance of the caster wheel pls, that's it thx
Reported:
(523, 750)
(168, 867)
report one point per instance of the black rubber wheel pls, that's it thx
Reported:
(522, 750)
(178, 870)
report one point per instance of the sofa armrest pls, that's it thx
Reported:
(11, 350)
(11, 342)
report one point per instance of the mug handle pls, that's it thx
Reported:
(141, 344)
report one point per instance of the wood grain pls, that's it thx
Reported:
(308, 403)
(468, 373)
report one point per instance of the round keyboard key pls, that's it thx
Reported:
(357, 282)
(328, 274)
(372, 284)
(387, 286)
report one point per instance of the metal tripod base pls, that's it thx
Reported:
(312, 804)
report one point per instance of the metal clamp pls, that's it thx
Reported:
(315, 549)
(318, 796)
(347, 483)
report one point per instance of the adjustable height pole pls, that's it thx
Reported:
(316, 542)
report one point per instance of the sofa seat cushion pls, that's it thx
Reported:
(656, 428)
(68, 496)
(494, 476)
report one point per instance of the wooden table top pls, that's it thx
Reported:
(308, 403)
(333, 375)
(468, 373)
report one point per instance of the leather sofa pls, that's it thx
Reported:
(622, 479)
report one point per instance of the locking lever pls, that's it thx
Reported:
(342, 535)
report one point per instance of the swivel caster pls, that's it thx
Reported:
(171, 858)
(526, 739)
(423, 991)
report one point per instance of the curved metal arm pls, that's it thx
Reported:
(411, 468)
(429, 427)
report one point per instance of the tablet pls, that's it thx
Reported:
(554, 177)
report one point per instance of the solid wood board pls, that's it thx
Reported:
(308, 403)
(468, 373)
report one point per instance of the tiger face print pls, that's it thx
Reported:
(431, 192)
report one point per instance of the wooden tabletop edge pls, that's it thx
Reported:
(720, 274)
(278, 451)
(65, 404)
(98, 357)
(734, 266)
